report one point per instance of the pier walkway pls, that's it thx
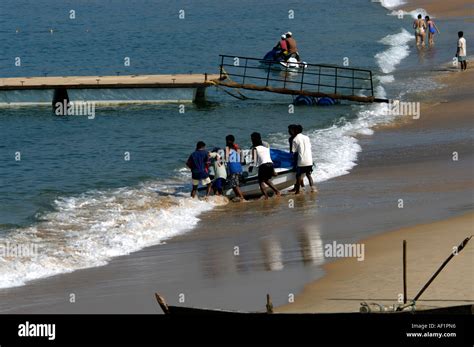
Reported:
(105, 82)
(314, 80)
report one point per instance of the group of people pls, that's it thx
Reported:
(423, 26)
(287, 46)
(427, 25)
(227, 164)
(201, 159)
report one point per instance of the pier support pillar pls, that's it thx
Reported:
(200, 95)
(60, 102)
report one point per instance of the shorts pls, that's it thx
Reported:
(204, 181)
(301, 170)
(235, 179)
(218, 183)
(460, 59)
(265, 172)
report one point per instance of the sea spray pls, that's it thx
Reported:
(89, 229)
(392, 3)
(389, 59)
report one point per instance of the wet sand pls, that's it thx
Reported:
(379, 277)
(443, 8)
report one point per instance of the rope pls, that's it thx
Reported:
(240, 96)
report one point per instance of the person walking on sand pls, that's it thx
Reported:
(461, 53)
(198, 162)
(232, 157)
(432, 30)
(420, 30)
(262, 159)
(302, 147)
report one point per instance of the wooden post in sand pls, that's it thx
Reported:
(163, 304)
(269, 304)
(404, 271)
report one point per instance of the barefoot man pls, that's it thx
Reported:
(302, 146)
(461, 52)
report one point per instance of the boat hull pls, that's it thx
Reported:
(250, 188)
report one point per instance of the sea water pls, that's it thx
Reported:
(83, 191)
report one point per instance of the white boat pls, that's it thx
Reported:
(250, 188)
(285, 174)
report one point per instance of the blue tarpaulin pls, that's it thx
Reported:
(282, 159)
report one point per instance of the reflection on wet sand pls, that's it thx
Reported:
(311, 245)
(215, 263)
(272, 253)
(272, 248)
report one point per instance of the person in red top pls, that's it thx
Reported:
(282, 43)
(281, 48)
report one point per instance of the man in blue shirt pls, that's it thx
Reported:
(232, 156)
(198, 162)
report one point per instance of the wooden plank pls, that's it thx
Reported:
(102, 82)
(232, 84)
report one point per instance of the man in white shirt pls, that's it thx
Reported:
(302, 147)
(461, 53)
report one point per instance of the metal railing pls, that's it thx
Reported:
(320, 78)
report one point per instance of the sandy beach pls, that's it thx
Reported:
(439, 8)
(281, 248)
(379, 277)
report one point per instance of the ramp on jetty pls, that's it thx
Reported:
(314, 80)
(58, 87)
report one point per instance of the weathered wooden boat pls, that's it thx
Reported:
(413, 310)
(408, 308)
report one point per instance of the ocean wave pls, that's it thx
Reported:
(335, 149)
(384, 79)
(414, 13)
(389, 59)
(389, 4)
(90, 229)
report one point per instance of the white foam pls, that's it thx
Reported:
(335, 149)
(384, 79)
(390, 4)
(389, 59)
(414, 13)
(88, 230)
(393, 4)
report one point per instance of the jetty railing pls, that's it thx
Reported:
(309, 79)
